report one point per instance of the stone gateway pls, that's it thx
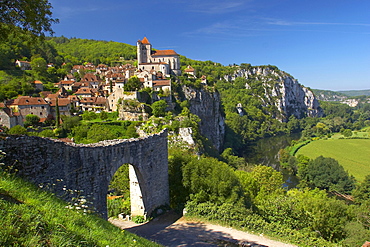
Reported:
(88, 169)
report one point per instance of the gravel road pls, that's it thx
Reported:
(171, 230)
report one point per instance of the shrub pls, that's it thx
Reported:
(17, 130)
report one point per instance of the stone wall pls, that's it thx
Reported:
(90, 168)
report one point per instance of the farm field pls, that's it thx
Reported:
(352, 154)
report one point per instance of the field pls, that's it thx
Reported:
(352, 154)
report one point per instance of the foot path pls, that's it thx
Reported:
(171, 230)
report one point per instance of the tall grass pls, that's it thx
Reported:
(33, 217)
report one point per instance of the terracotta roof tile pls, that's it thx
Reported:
(61, 102)
(26, 100)
(164, 53)
(162, 83)
(145, 41)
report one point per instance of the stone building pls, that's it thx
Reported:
(9, 118)
(166, 61)
(25, 105)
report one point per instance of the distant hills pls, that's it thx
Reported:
(327, 95)
(352, 93)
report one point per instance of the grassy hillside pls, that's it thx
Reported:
(32, 217)
(352, 154)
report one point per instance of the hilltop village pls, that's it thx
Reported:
(100, 88)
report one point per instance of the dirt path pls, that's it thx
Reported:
(171, 230)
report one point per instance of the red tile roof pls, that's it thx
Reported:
(84, 91)
(164, 53)
(162, 83)
(61, 102)
(27, 100)
(145, 41)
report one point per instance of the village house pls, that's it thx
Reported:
(64, 105)
(84, 92)
(38, 85)
(23, 65)
(94, 104)
(190, 71)
(93, 80)
(9, 118)
(68, 85)
(25, 105)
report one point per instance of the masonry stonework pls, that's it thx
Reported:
(90, 168)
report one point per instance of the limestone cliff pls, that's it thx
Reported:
(281, 90)
(207, 106)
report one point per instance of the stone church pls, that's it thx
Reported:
(165, 61)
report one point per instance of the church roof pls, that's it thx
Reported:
(145, 41)
(164, 53)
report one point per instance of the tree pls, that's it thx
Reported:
(39, 66)
(347, 133)
(57, 113)
(31, 120)
(133, 84)
(326, 173)
(159, 108)
(362, 191)
(32, 16)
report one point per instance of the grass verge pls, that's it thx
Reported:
(32, 217)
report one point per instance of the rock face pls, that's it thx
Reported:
(283, 91)
(207, 106)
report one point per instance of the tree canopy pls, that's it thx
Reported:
(33, 16)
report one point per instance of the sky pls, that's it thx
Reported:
(325, 44)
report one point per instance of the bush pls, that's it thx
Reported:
(17, 130)
(138, 219)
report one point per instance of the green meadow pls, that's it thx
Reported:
(352, 154)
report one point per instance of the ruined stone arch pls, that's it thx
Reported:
(90, 168)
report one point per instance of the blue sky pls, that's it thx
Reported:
(325, 44)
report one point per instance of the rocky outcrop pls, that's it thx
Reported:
(207, 106)
(283, 91)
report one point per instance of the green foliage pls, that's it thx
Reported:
(178, 158)
(32, 217)
(103, 115)
(78, 51)
(133, 84)
(362, 191)
(89, 115)
(47, 133)
(138, 219)
(209, 180)
(17, 130)
(120, 183)
(237, 216)
(328, 174)
(232, 160)
(100, 131)
(69, 122)
(347, 133)
(31, 120)
(118, 206)
(159, 108)
(33, 17)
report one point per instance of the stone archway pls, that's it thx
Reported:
(90, 168)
